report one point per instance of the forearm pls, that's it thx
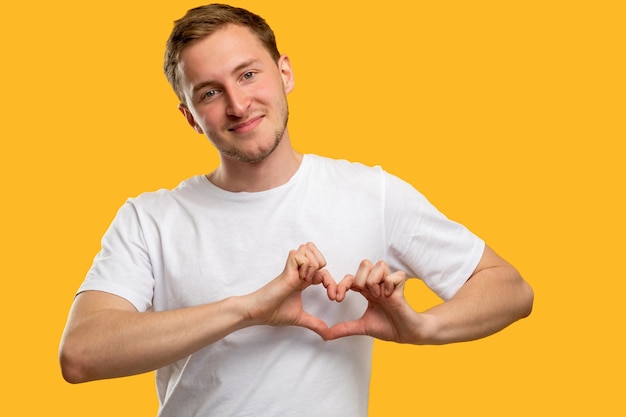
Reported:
(491, 300)
(106, 337)
(115, 342)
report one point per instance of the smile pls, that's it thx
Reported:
(246, 126)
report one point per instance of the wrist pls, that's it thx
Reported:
(427, 330)
(237, 308)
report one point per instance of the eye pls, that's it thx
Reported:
(209, 94)
(248, 75)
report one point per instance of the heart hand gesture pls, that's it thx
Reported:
(388, 315)
(279, 303)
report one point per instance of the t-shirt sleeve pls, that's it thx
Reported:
(426, 244)
(122, 266)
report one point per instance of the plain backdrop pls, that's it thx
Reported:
(508, 116)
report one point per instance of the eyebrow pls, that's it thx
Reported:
(235, 70)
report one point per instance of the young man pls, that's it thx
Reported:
(193, 282)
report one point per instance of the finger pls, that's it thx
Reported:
(376, 277)
(392, 282)
(347, 328)
(323, 277)
(362, 273)
(313, 323)
(314, 261)
(294, 260)
(301, 263)
(344, 285)
(318, 255)
(307, 263)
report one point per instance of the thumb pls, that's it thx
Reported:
(313, 323)
(347, 328)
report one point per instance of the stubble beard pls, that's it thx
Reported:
(238, 155)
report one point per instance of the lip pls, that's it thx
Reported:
(246, 126)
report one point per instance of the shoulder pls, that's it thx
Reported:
(187, 191)
(343, 168)
(353, 174)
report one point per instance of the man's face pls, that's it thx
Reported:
(236, 93)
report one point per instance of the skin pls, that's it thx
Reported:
(106, 337)
(235, 94)
(492, 298)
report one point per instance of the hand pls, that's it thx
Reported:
(279, 303)
(388, 315)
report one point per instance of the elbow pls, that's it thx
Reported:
(527, 298)
(74, 363)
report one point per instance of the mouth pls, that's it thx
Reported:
(246, 126)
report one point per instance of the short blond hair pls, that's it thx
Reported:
(200, 22)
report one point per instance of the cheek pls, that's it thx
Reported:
(274, 89)
(208, 118)
(275, 95)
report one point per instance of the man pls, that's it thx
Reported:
(193, 282)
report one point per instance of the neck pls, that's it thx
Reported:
(274, 171)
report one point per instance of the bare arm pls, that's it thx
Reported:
(107, 337)
(494, 297)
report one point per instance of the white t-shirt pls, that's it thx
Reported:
(198, 244)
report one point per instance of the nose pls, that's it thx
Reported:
(238, 102)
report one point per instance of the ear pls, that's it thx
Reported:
(189, 117)
(286, 72)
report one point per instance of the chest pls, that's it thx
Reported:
(217, 252)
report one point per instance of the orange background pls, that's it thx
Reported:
(509, 116)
